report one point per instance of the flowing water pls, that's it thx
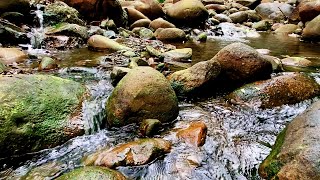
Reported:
(238, 138)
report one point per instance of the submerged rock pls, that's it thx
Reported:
(134, 153)
(36, 112)
(188, 80)
(241, 63)
(195, 134)
(92, 173)
(312, 30)
(143, 93)
(184, 54)
(295, 154)
(285, 89)
(98, 42)
(296, 64)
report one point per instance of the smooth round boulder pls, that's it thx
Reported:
(98, 42)
(12, 55)
(287, 29)
(150, 8)
(37, 111)
(312, 30)
(285, 89)
(239, 17)
(241, 63)
(187, 12)
(161, 23)
(141, 23)
(92, 173)
(134, 15)
(143, 93)
(309, 10)
(170, 34)
(295, 154)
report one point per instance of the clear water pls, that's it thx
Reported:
(236, 139)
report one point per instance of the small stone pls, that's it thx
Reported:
(149, 127)
(47, 63)
(195, 134)
(146, 33)
(183, 54)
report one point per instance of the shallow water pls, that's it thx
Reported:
(238, 136)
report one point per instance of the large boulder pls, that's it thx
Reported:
(285, 89)
(36, 112)
(187, 12)
(11, 34)
(312, 30)
(100, 9)
(309, 10)
(188, 80)
(21, 6)
(241, 63)
(12, 55)
(133, 153)
(143, 93)
(295, 154)
(98, 42)
(92, 173)
(275, 11)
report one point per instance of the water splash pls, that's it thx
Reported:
(38, 33)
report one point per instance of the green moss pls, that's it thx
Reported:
(34, 111)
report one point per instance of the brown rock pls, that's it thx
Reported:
(134, 15)
(309, 10)
(161, 23)
(217, 7)
(312, 30)
(195, 134)
(170, 34)
(141, 23)
(11, 55)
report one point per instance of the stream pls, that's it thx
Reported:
(238, 138)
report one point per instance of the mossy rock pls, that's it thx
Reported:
(66, 29)
(92, 173)
(35, 112)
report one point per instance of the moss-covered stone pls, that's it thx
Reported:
(92, 173)
(68, 30)
(35, 112)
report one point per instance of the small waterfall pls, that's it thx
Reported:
(38, 33)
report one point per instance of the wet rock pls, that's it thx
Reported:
(195, 134)
(146, 33)
(202, 37)
(68, 30)
(99, 42)
(161, 23)
(60, 12)
(141, 23)
(287, 29)
(309, 10)
(275, 11)
(241, 63)
(36, 112)
(47, 63)
(92, 173)
(187, 12)
(295, 154)
(92, 10)
(117, 74)
(296, 64)
(184, 54)
(134, 153)
(285, 89)
(11, 34)
(134, 15)
(239, 17)
(21, 6)
(312, 30)
(222, 18)
(149, 127)
(263, 25)
(12, 55)
(47, 170)
(143, 93)
(170, 34)
(188, 80)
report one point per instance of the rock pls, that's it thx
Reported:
(202, 37)
(206, 2)
(68, 30)
(190, 12)
(3, 67)
(149, 127)
(99, 42)
(253, 16)
(195, 134)
(170, 34)
(11, 34)
(184, 54)
(239, 17)
(285, 89)
(241, 63)
(312, 30)
(309, 10)
(263, 25)
(134, 153)
(295, 154)
(12, 55)
(161, 23)
(14, 17)
(287, 29)
(222, 18)
(150, 8)
(92, 173)
(143, 93)
(60, 12)
(146, 33)
(44, 171)
(92, 10)
(61, 42)
(154, 52)
(217, 7)
(246, 3)
(36, 112)
(296, 64)
(275, 11)
(134, 15)
(141, 23)
(108, 24)
(188, 80)
(117, 74)
(139, 61)
(47, 63)
(21, 6)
